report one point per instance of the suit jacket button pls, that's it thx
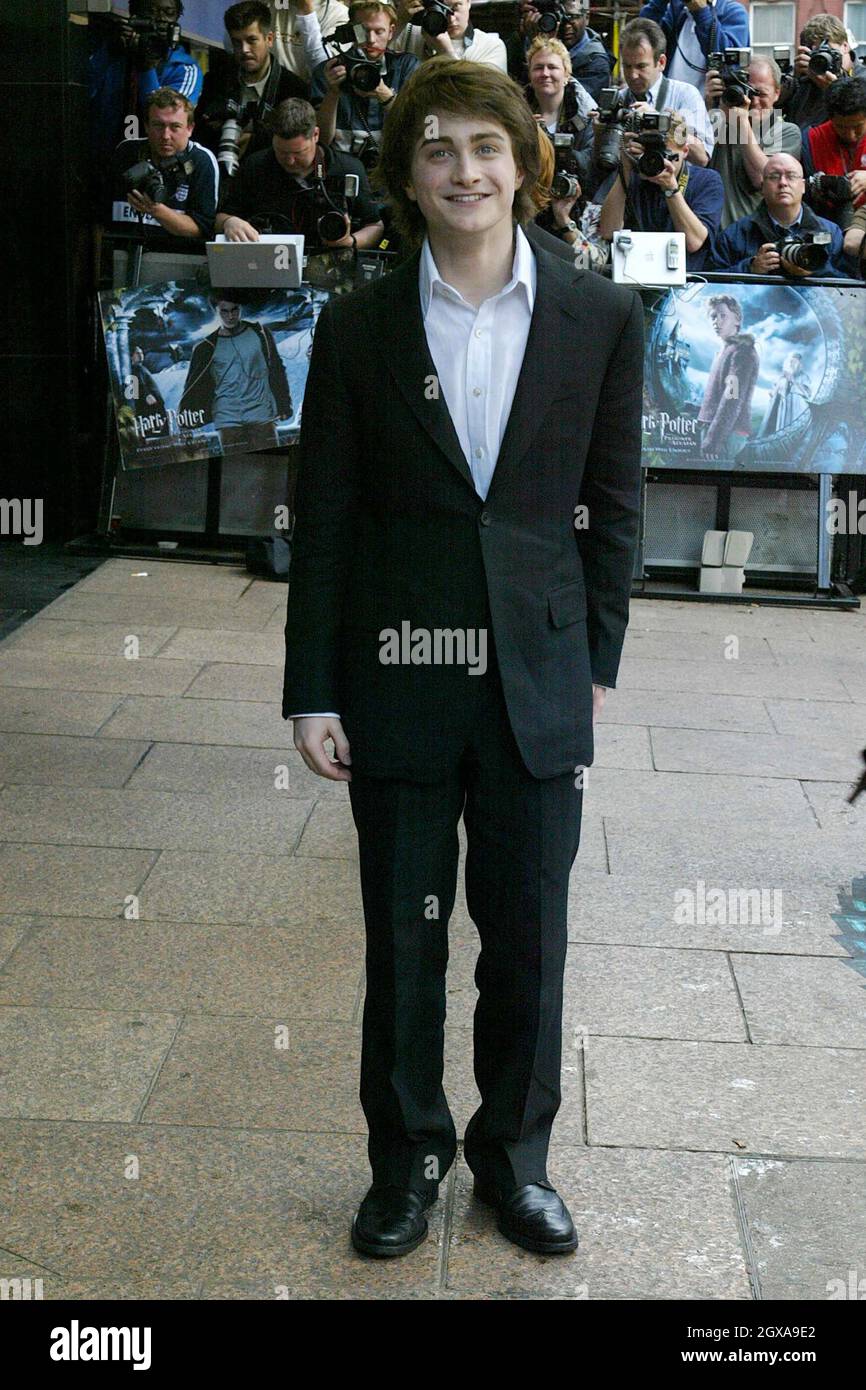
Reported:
(485, 518)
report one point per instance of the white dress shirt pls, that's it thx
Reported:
(477, 354)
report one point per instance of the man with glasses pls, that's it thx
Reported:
(750, 245)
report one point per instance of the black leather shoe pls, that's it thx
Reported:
(533, 1216)
(390, 1221)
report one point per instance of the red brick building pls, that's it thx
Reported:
(780, 21)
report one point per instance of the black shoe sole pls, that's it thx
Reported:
(378, 1251)
(538, 1247)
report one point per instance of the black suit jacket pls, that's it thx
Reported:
(389, 527)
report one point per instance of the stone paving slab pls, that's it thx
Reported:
(806, 1224)
(829, 800)
(622, 745)
(779, 1101)
(646, 911)
(844, 722)
(651, 1226)
(757, 679)
(739, 859)
(83, 639)
(140, 818)
(673, 710)
(311, 971)
(178, 720)
(54, 711)
(68, 760)
(79, 1064)
(224, 681)
(278, 891)
(189, 767)
(247, 614)
(228, 648)
(70, 880)
(818, 1002)
(155, 578)
(657, 797)
(824, 759)
(73, 672)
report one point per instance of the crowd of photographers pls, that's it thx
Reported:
(759, 160)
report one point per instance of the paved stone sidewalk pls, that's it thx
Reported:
(178, 1092)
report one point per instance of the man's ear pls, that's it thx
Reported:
(410, 192)
(663, 61)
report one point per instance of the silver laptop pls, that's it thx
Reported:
(275, 261)
(649, 258)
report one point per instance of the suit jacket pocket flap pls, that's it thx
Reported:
(567, 604)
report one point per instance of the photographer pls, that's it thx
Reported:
(682, 198)
(751, 127)
(824, 55)
(352, 113)
(235, 104)
(696, 28)
(559, 103)
(133, 58)
(285, 185)
(166, 181)
(459, 39)
(643, 64)
(837, 149)
(591, 63)
(299, 28)
(751, 246)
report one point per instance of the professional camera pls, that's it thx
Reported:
(362, 74)
(609, 143)
(434, 19)
(829, 188)
(651, 129)
(326, 205)
(732, 65)
(782, 55)
(825, 59)
(157, 181)
(551, 16)
(806, 250)
(565, 182)
(228, 151)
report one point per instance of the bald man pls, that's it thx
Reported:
(749, 245)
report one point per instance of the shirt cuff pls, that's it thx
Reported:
(316, 714)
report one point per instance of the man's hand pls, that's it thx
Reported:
(766, 260)
(713, 87)
(668, 178)
(236, 229)
(335, 73)
(310, 737)
(694, 5)
(383, 93)
(857, 180)
(345, 239)
(140, 203)
(561, 208)
(801, 69)
(599, 694)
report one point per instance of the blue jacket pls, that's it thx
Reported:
(108, 72)
(724, 24)
(738, 243)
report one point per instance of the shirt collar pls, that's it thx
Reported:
(523, 272)
(783, 227)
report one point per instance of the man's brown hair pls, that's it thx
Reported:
(457, 87)
(359, 7)
(823, 28)
(164, 99)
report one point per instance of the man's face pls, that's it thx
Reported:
(783, 185)
(464, 181)
(459, 19)
(547, 74)
(164, 10)
(229, 312)
(252, 49)
(574, 25)
(297, 155)
(724, 320)
(766, 93)
(378, 31)
(640, 70)
(850, 129)
(168, 130)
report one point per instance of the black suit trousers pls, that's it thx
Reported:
(522, 836)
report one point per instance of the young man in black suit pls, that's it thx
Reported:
(467, 512)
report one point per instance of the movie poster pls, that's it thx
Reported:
(755, 378)
(197, 372)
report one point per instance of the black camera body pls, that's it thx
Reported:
(651, 129)
(565, 182)
(732, 65)
(782, 55)
(157, 181)
(829, 188)
(434, 19)
(806, 250)
(551, 16)
(824, 59)
(326, 205)
(609, 143)
(363, 75)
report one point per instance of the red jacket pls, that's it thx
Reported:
(827, 154)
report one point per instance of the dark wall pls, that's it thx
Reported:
(44, 322)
